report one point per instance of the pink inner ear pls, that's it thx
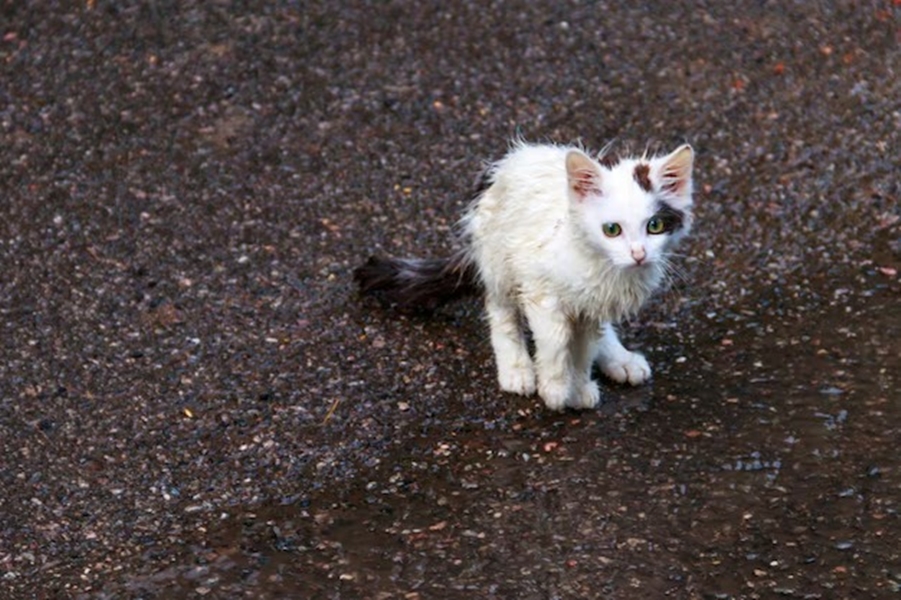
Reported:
(583, 183)
(672, 185)
(673, 180)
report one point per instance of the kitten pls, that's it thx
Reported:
(568, 243)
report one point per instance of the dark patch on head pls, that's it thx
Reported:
(609, 160)
(673, 218)
(642, 176)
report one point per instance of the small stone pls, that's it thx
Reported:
(832, 391)
(844, 545)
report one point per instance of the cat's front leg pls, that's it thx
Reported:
(552, 332)
(620, 364)
(515, 372)
(585, 339)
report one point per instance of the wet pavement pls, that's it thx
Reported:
(195, 403)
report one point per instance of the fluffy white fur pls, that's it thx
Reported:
(536, 236)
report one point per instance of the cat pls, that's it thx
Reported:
(568, 244)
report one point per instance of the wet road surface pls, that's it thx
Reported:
(195, 403)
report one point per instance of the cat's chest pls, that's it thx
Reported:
(600, 292)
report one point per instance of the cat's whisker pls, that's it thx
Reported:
(672, 274)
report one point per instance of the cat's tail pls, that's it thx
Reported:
(417, 283)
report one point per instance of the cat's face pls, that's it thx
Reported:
(632, 212)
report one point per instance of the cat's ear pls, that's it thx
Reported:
(674, 172)
(582, 174)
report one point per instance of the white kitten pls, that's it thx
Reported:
(571, 245)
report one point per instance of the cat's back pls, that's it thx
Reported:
(519, 213)
(528, 183)
(530, 166)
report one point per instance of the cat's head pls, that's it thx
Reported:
(634, 210)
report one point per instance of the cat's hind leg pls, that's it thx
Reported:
(620, 364)
(515, 372)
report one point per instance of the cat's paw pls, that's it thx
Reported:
(625, 367)
(555, 393)
(519, 379)
(587, 395)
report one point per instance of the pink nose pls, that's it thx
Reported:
(639, 255)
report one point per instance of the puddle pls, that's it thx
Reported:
(771, 468)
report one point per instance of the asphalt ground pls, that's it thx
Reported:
(194, 401)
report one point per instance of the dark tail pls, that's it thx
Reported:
(418, 284)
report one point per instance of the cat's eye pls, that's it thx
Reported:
(656, 225)
(611, 229)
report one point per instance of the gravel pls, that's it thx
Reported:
(195, 403)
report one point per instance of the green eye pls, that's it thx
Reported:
(611, 229)
(656, 225)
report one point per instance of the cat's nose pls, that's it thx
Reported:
(638, 254)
